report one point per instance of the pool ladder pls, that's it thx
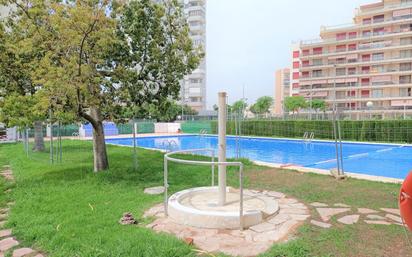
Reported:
(203, 132)
(308, 136)
(168, 145)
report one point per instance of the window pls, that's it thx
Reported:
(305, 74)
(352, 93)
(196, 81)
(352, 35)
(317, 73)
(306, 52)
(405, 79)
(196, 13)
(406, 41)
(351, 71)
(379, 31)
(296, 65)
(367, 21)
(377, 68)
(305, 63)
(295, 85)
(405, 66)
(405, 53)
(352, 47)
(341, 36)
(378, 56)
(340, 60)
(365, 82)
(295, 54)
(365, 69)
(377, 93)
(406, 27)
(366, 58)
(317, 62)
(295, 75)
(341, 48)
(340, 71)
(378, 18)
(366, 33)
(405, 91)
(318, 50)
(365, 93)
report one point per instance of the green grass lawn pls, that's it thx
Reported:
(66, 210)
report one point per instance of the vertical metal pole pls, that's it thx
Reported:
(242, 225)
(51, 137)
(27, 142)
(222, 147)
(165, 184)
(335, 137)
(341, 150)
(213, 168)
(134, 146)
(60, 142)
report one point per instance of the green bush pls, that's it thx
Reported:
(397, 131)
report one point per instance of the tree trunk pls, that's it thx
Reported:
(38, 137)
(99, 144)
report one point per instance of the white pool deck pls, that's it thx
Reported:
(292, 167)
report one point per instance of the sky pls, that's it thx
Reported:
(248, 40)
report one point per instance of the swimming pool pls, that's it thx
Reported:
(387, 160)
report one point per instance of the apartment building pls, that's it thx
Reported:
(365, 67)
(282, 90)
(194, 85)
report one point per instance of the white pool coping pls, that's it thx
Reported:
(293, 167)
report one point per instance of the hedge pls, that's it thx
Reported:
(397, 131)
(196, 126)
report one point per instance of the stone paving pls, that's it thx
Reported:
(278, 228)
(9, 246)
(249, 242)
(347, 216)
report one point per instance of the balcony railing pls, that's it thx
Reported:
(370, 35)
(353, 61)
(358, 73)
(355, 85)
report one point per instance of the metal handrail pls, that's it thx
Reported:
(167, 157)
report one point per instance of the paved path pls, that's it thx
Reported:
(8, 243)
(250, 242)
(278, 228)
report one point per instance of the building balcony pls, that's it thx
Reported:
(357, 74)
(387, 7)
(357, 62)
(370, 48)
(354, 86)
(367, 98)
(199, 18)
(360, 37)
(353, 26)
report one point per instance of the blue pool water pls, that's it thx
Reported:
(393, 161)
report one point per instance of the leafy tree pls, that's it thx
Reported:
(239, 106)
(262, 105)
(94, 62)
(318, 105)
(166, 112)
(17, 88)
(215, 107)
(295, 103)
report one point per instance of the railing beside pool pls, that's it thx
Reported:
(212, 163)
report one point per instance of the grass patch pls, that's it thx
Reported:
(67, 210)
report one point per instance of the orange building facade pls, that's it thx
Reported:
(364, 67)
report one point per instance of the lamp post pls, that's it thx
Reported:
(370, 106)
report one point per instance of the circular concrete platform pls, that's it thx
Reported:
(198, 207)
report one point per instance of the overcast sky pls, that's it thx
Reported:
(247, 40)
